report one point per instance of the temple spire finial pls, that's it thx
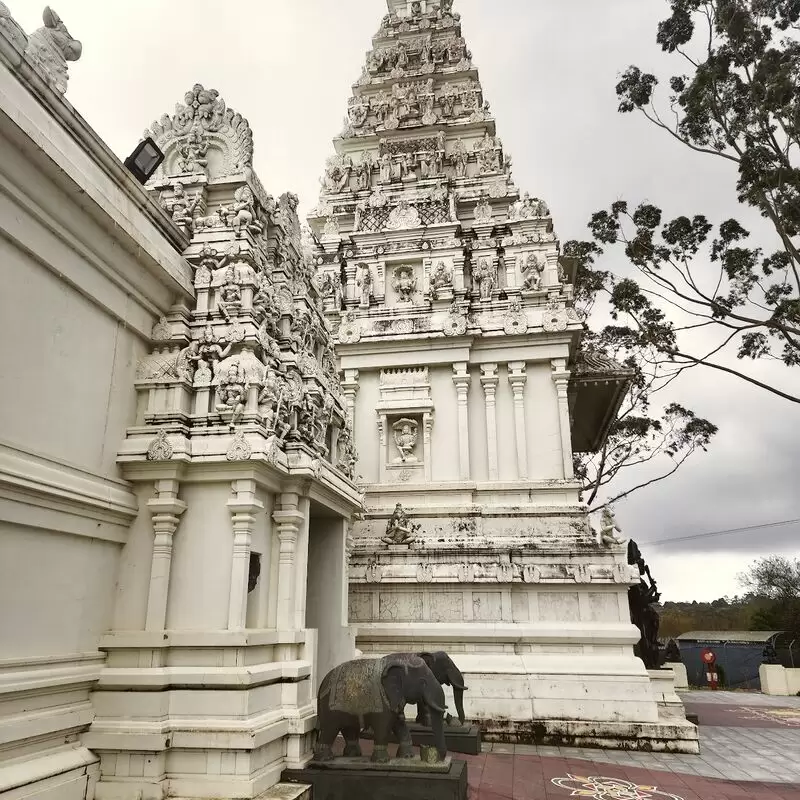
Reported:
(410, 8)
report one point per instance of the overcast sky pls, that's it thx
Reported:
(548, 68)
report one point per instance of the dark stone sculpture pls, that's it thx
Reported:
(374, 692)
(643, 615)
(448, 674)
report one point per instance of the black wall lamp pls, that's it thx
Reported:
(144, 160)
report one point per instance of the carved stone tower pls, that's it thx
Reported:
(231, 592)
(457, 340)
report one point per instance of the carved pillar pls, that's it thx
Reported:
(383, 429)
(561, 379)
(288, 519)
(243, 507)
(350, 288)
(462, 379)
(166, 510)
(427, 425)
(350, 389)
(489, 381)
(517, 378)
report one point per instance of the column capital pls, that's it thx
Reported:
(489, 377)
(559, 370)
(350, 380)
(461, 377)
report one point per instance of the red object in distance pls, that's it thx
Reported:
(708, 656)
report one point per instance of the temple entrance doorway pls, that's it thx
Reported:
(326, 593)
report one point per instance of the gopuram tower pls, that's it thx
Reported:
(459, 349)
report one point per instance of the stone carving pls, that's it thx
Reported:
(331, 227)
(337, 173)
(332, 288)
(425, 573)
(484, 276)
(357, 111)
(399, 529)
(528, 208)
(162, 330)
(459, 158)
(403, 216)
(192, 152)
(441, 280)
(532, 269)
(239, 449)
(349, 330)
(554, 317)
(180, 206)
(12, 30)
(363, 172)
(364, 283)
(405, 439)
(156, 366)
(455, 324)
(488, 154)
(373, 572)
(160, 449)
(483, 212)
(221, 128)
(241, 216)
(404, 282)
(51, 47)
(212, 349)
(232, 391)
(531, 573)
(504, 572)
(641, 599)
(465, 573)
(609, 524)
(515, 322)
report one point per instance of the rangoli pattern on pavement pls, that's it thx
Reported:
(610, 789)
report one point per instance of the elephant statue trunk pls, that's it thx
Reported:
(457, 682)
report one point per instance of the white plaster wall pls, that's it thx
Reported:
(73, 376)
(366, 426)
(542, 424)
(444, 435)
(258, 599)
(56, 592)
(133, 576)
(195, 602)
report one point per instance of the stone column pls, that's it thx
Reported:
(166, 510)
(489, 381)
(242, 506)
(462, 379)
(350, 389)
(350, 289)
(561, 377)
(517, 378)
(427, 425)
(288, 520)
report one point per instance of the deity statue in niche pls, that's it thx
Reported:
(357, 111)
(399, 528)
(181, 206)
(213, 349)
(404, 282)
(363, 171)
(488, 156)
(483, 275)
(459, 158)
(386, 168)
(441, 279)
(405, 439)
(532, 270)
(232, 391)
(364, 282)
(192, 152)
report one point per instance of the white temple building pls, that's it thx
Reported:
(210, 418)
(459, 346)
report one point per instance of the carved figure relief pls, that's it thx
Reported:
(488, 154)
(483, 212)
(232, 391)
(483, 275)
(455, 323)
(528, 208)
(337, 173)
(404, 282)
(399, 528)
(357, 111)
(403, 216)
(405, 439)
(441, 279)
(515, 322)
(459, 158)
(532, 269)
(180, 206)
(51, 46)
(364, 283)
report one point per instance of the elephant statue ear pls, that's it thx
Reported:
(393, 686)
(428, 659)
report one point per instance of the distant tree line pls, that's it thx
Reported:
(770, 602)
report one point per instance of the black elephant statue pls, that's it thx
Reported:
(374, 692)
(448, 674)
